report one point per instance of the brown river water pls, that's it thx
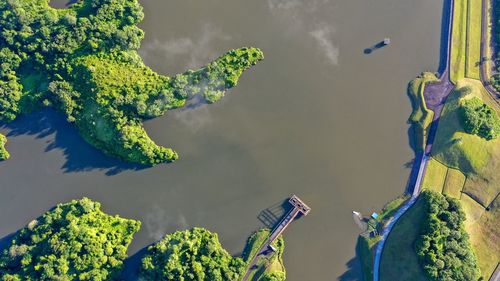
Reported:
(317, 118)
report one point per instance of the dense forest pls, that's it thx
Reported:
(73, 241)
(83, 61)
(194, 254)
(443, 247)
(479, 119)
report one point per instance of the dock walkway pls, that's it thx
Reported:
(299, 208)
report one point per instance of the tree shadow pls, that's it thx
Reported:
(132, 266)
(5, 241)
(79, 155)
(353, 272)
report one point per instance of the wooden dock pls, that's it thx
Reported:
(299, 208)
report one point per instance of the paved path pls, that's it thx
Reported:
(435, 95)
(485, 56)
(496, 275)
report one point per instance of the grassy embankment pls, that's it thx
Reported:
(366, 245)
(462, 166)
(466, 38)
(421, 116)
(266, 265)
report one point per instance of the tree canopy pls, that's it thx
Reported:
(194, 254)
(4, 154)
(83, 61)
(443, 248)
(479, 119)
(73, 241)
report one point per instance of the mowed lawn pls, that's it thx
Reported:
(473, 39)
(458, 41)
(455, 181)
(485, 239)
(399, 260)
(452, 146)
(466, 40)
(435, 176)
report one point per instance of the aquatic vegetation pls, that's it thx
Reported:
(83, 61)
(73, 241)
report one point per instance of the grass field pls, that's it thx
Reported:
(455, 148)
(473, 210)
(267, 264)
(466, 40)
(399, 261)
(485, 239)
(454, 183)
(459, 37)
(473, 39)
(435, 176)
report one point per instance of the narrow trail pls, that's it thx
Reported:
(435, 95)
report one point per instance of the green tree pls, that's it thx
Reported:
(194, 254)
(4, 154)
(73, 241)
(479, 119)
(443, 247)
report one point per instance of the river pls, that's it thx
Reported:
(317, 118)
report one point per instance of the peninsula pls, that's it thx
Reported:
(83, 62)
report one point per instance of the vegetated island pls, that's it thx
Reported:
(77, 241)
(83, 62)
(452, 232)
